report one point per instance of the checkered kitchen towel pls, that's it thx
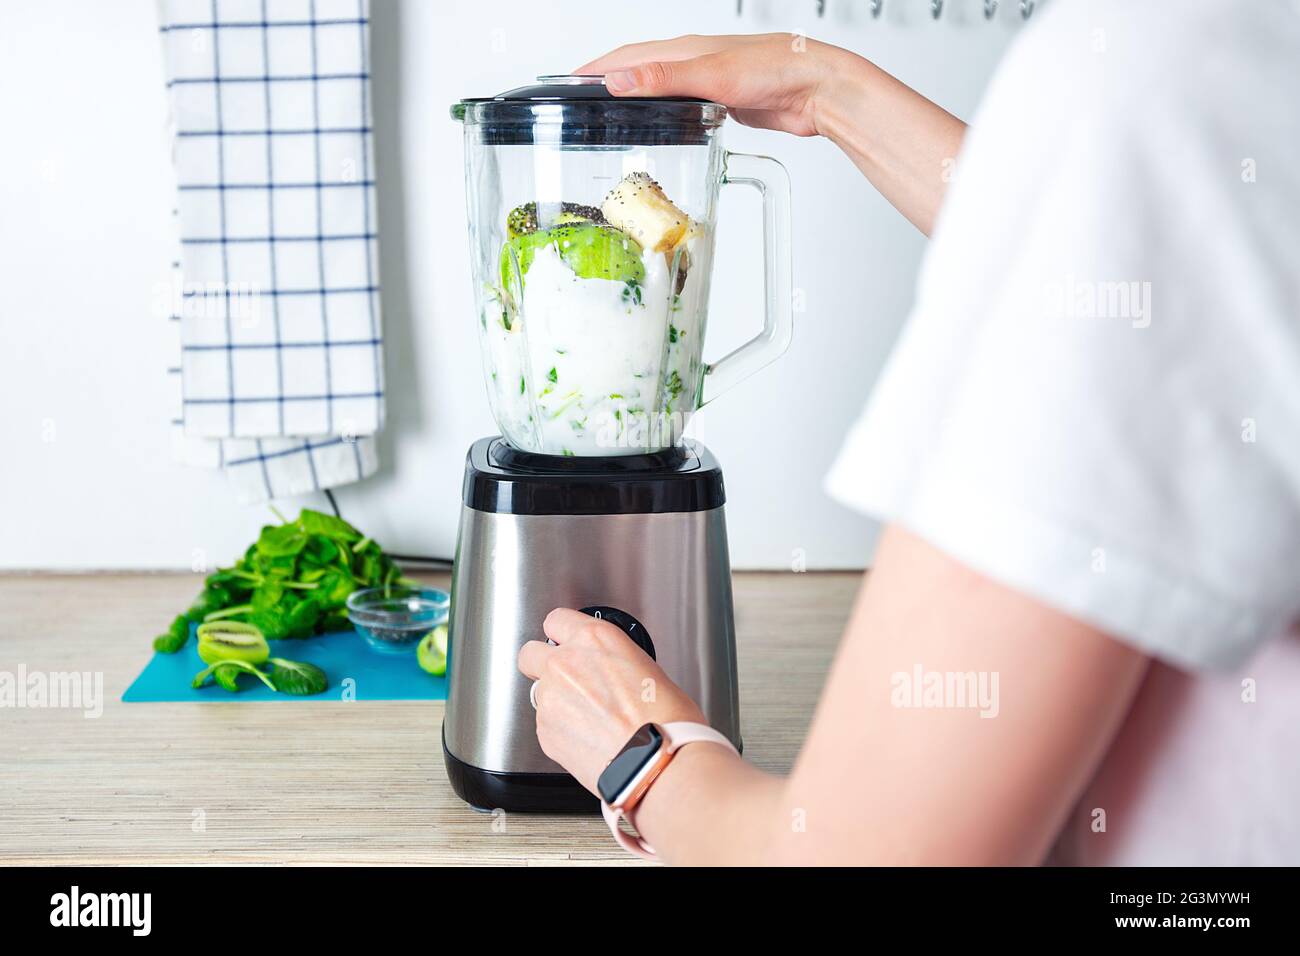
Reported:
(279, 366)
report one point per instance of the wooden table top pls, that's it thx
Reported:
(310, 782)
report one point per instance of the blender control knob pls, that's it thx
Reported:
(625, 623)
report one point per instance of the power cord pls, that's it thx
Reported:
(422, 560)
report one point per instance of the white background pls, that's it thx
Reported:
(86, 475)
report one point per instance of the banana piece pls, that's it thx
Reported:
(639, 206)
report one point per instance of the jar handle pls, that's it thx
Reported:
(773, 183)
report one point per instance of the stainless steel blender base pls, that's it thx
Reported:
(669, 571)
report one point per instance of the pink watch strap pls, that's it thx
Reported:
(676, 736)
(633, 844)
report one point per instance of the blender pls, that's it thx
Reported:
(591, 224)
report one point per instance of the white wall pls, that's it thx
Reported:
(87, 479)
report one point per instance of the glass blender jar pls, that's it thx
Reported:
(591, 222)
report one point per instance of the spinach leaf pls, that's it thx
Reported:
(175, 638)
(318, 552)
(335, 586)
(229, 679)
(302, 616)
(314, 522)
(297, 677)
(212, 598)
(272, 621)
(281, 541)
(372, 568)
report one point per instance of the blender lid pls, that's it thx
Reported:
(579, 111)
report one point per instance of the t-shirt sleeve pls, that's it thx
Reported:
(1096, 399)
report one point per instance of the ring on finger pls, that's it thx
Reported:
(532, 694)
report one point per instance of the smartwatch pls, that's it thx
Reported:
(634, 768)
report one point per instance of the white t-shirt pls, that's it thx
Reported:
(1096, 399)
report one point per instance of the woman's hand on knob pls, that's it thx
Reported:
(595, 688)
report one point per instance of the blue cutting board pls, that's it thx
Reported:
(355, 672)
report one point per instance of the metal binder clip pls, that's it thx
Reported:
(876, 5)
(821, 8)
(1026, 8)
(990, 8)
(936, 8)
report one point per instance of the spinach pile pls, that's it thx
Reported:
(292, 582)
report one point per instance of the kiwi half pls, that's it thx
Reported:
(592, 251)
(232, 641)
(431, 654)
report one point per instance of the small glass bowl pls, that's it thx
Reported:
(393, 620)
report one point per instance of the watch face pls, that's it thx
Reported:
(635, 756)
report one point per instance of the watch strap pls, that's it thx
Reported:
(676, 735)
(633, 844)
(683, 732)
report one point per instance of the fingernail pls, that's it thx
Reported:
(620, 81)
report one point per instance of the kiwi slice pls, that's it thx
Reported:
(592, 251)
(431, 654)
(523, 219)
(232, 641)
